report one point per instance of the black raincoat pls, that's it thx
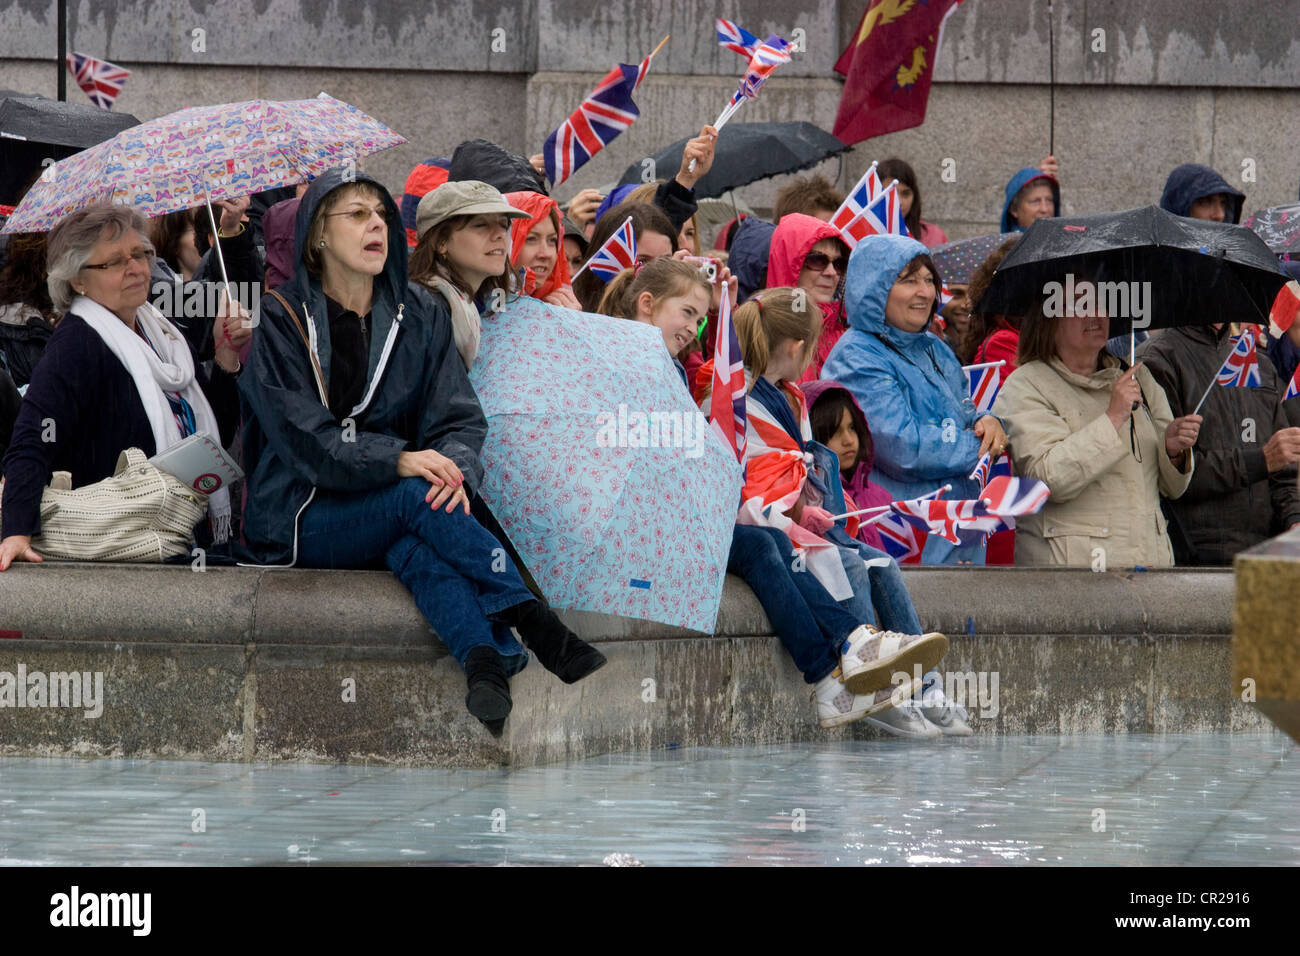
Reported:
(417, 395)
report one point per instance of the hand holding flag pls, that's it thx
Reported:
(763, 57)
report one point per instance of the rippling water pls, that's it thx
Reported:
(1125, 800)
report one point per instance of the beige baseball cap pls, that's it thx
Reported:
(467, 197)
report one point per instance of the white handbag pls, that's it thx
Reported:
(139, 514)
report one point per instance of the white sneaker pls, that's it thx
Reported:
(836, 705)
(870, 657)
(947, 715)
(905, 720)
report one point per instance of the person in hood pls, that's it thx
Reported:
(1031, 194)
(909, 383)
(809, 254)
(574, 244)
(477, 160)
(463, 255)
(1199, 192)
(362, 443)
(749, 252)
(537, 248)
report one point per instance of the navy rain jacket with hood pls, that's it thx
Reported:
(1018, 182)
(747, 260)
(417, 395)
(1192, 181)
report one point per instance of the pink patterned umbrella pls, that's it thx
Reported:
(204, 153)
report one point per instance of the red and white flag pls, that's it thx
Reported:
(101, 80)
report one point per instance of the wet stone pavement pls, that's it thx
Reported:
(1106, 800)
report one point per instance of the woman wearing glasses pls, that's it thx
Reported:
(362, 438)
(116, 374)
(927, 431)
(809, 254)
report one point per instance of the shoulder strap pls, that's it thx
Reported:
(320, 377)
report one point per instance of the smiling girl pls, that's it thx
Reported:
(537, 248)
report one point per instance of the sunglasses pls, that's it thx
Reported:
(817, 261)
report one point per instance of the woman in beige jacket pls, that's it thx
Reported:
(1103, 440)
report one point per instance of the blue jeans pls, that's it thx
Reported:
(457, 572)
(810, 623)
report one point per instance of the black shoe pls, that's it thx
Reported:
(559, 650)
(489, 689)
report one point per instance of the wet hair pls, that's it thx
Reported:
(663, 278)
(896, 168)
(311, 257)
(587, 287)
(69, 244)
(980, 325)
(808, 195)
(22, 280)
(824, 417)
(427, 262)
(771, 317)
(167, 231)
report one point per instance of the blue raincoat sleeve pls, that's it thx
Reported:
(911, 444)
(279, 386)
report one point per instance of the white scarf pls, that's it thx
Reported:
(153, 376)
(465, 323)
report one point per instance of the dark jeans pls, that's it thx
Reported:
(459, 574)
(810, 623)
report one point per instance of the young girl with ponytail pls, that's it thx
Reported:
(777, 330)
(825, 638)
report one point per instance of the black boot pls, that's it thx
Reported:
(560, 651)
(489, 689)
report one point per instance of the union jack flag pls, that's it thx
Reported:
(1293, 389)
(984, 384)
(101, 80)
(988, 469)
(736, 39)
(1003, 499)
(935, 517)
(618, 253)
(1242, 366)
(858, 199)
(882, 216)
(606, 112)
(768, 55)
(727, 405)
(902, 540)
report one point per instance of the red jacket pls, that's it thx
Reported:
(793, 239)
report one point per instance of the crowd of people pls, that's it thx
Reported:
(349, 405)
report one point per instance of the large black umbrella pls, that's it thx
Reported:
(34, 128)
(1188, 271)
(748, 152)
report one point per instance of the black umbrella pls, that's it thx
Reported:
(1186, 271)
(34, 128)
(1279, 226)
(748, 152)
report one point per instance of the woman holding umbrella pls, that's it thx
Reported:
(362, 441)
(1101, 436)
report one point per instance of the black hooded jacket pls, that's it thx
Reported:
(417, 395)
(1190, 182)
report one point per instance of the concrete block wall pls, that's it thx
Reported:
(1178, 81)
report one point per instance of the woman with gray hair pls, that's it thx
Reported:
(116, 374)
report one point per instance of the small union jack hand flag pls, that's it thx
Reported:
(101, 80)
(727, 408)
(1293, 389)
(1242, 366)
(736, 39)
(984, 384)
(606, 112)
(618, 253)
(859, 198)
(768, 55)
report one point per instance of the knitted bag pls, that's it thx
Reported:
(139, 514)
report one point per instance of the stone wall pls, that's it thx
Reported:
(1177, 81)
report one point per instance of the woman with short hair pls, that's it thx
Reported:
(116, 374)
